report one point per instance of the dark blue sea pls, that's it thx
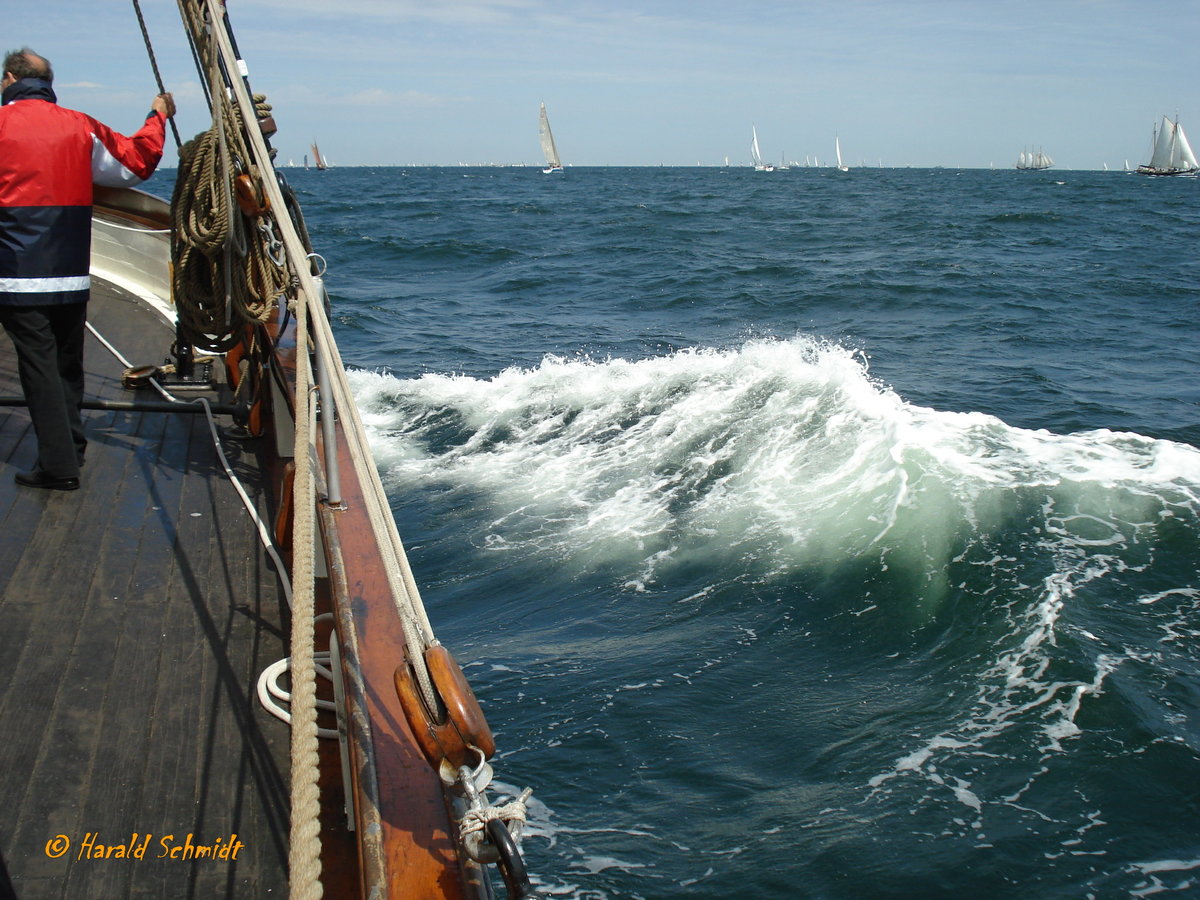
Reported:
(804, 534)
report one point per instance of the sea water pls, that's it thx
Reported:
(806, 533)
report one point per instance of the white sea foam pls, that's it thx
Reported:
(1157, 885)
(1167, 865)
(782, 453)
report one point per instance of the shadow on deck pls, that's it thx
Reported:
(135, 617)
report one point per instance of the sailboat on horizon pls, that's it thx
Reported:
(1029, 161)
(837, 146)
(1172, 154)
(759, 165)
(318, 160)
(549, 150)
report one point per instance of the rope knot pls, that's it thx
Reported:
(476, 820)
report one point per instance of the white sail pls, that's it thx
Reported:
(1032, 160)
(837, 146)
(759, 165)
(1164, 140)
(1172, 154)
(1187, 160)
(550, 151)
(1184, 158)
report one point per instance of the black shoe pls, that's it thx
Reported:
(39, 479)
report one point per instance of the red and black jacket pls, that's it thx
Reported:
(50, 157)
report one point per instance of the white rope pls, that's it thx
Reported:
(269, 690)
(405, 594)
(476, 820)
(475, 841)
(268, 679)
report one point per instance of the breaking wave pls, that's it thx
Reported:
(778, 455)
(785, 461)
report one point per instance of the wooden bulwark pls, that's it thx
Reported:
(407, 845)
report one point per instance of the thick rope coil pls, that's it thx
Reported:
(262, 109)
(211, 236)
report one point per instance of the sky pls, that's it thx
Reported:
(967, 83)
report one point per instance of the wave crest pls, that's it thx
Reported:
(774, 455)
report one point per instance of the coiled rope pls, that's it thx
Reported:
(210, 234)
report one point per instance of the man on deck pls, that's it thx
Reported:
(50, 157)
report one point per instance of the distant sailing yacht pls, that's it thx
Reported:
(318, 160)
(837, 146)
(1172, 154)
(553, 163)
(759, 165)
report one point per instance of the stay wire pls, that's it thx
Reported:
(137, 8)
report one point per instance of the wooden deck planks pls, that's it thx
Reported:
(134, 632)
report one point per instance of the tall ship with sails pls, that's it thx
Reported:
(1034, 160)
(1171, 154)
(228, 561)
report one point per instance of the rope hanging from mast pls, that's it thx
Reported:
(137, 8)
(222, 219)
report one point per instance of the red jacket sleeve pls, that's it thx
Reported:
(120, 161)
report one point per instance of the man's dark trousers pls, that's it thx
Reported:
(49, 344)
